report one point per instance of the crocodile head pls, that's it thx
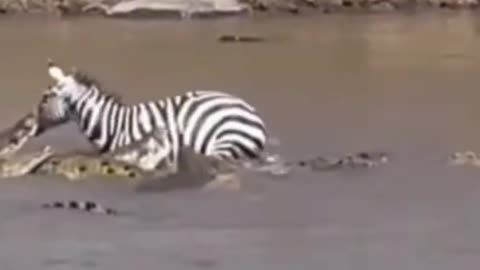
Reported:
(17, 134)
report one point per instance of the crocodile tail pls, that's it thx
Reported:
(85, 206)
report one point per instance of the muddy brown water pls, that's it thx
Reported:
(325, 85)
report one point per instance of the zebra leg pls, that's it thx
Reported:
(225, 174)
(157, 152)
(148, 154)
(229, 182)
(153, 160)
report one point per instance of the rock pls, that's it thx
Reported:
(293, 8)
(347, 3)
(310, 3)
(259, 5)
(185, 8)
(454, 4)
(383, 6)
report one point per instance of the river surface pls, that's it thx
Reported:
(406, 84)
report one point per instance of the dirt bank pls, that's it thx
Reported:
(221, 8)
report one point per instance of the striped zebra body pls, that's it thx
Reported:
(212, 123)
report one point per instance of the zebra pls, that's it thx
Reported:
(215, 124)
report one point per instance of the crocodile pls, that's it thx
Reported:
(79, 165)
(464, 158)
(12, 164)
(199, 171)
(350, 161)
(14, 137)
(21, 165)
(83, 206)
(73, 165)
(274, 164)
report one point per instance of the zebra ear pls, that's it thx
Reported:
(55, 71)
(74, 70)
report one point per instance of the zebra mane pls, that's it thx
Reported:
(88, 81)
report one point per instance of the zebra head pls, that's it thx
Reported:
(68, 86)
(72, 86)
(54, 108)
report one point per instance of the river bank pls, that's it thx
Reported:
(221, 8)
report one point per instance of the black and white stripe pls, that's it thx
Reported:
(212, 123)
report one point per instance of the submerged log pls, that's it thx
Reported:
(239, 38)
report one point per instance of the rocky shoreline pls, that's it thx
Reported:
(213, 8)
